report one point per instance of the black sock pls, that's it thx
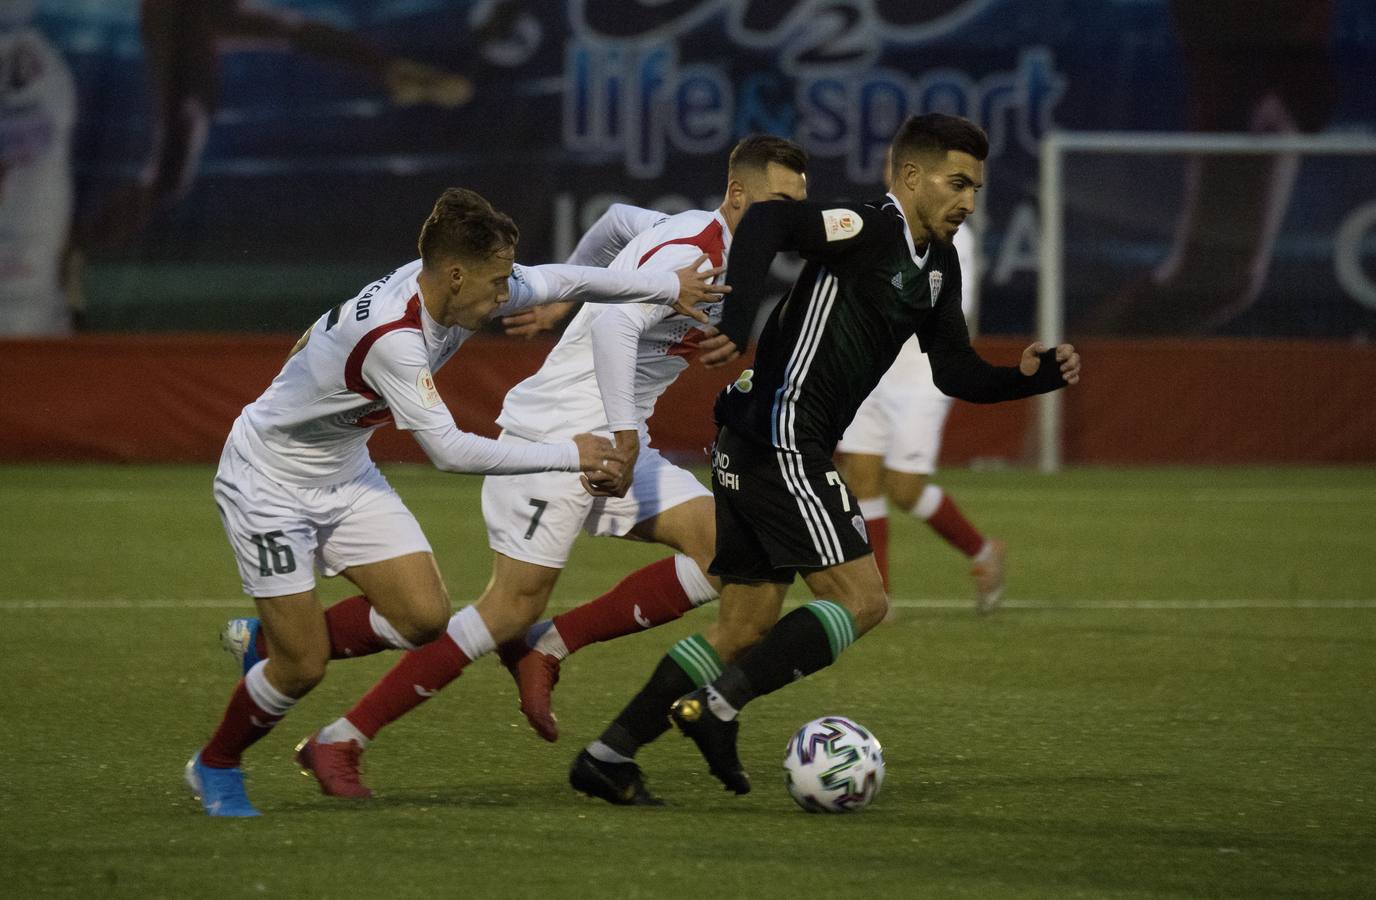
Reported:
(802, 642)
(689, 664)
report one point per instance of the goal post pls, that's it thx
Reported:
(1056, 145)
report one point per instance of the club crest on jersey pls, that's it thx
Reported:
(841, 224)
(745, 382)
(425, 386)
(934, 279)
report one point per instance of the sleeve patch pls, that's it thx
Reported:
(425, 386)
(841, 223)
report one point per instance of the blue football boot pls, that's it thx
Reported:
(240, 639)
(221, 791)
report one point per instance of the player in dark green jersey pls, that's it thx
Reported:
(875, 273)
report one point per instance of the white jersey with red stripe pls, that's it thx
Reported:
(613, 363)
(311, 426)
(371, 361)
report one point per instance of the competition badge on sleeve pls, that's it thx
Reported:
(425, 385)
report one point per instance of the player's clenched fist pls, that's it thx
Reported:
(599, 455)
(599, 485)
(1066, 357)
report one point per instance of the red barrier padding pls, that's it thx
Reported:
(161, 398)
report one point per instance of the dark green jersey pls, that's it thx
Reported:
(863, 291)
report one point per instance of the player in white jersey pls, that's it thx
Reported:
(296, 486)
(604, 376)
(37, 115)
(890, 449)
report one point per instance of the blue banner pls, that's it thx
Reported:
(243, 166)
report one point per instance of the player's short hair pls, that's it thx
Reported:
(759, 150)
(936, 133)
(463, 225)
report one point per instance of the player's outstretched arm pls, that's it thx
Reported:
(452, 450)
(819, 229)
(396, 370)
(613, 230)
(535, 285)
(959, 371)
(963, 374)
(598, 246)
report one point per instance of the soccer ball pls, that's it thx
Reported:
(833, 765)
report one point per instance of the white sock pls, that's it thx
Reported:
(261, 691)
(720, 708)
(874, 508)
(385, 630)
(467, 629)
(550, 641)
(601, 752)
(927, 502)
(693, 581)
(341, 730)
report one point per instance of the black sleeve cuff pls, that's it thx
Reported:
(1048, 375)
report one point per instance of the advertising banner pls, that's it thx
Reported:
(245, 166)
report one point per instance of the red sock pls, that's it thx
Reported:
(643, 599)
(351, 632)
(878, 530)
(243, 724)
(949, 522)
(417, 676)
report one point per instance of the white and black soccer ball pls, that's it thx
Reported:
(833, 765)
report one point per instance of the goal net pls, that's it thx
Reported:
(1203, 235)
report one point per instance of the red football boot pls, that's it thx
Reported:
(536, 675)
(334, 766)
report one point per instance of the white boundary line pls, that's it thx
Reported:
(1053, 606)
(100, 605)
(245, 604)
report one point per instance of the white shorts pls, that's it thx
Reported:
(281, 533)
(536, 518)
(903, 417)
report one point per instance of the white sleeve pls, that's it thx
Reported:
(612, 231)
(971, 267)
(398, 371)
(536, 285)
(615, 341)
(452, 450)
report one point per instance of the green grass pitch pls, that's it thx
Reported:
(1179, 701)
